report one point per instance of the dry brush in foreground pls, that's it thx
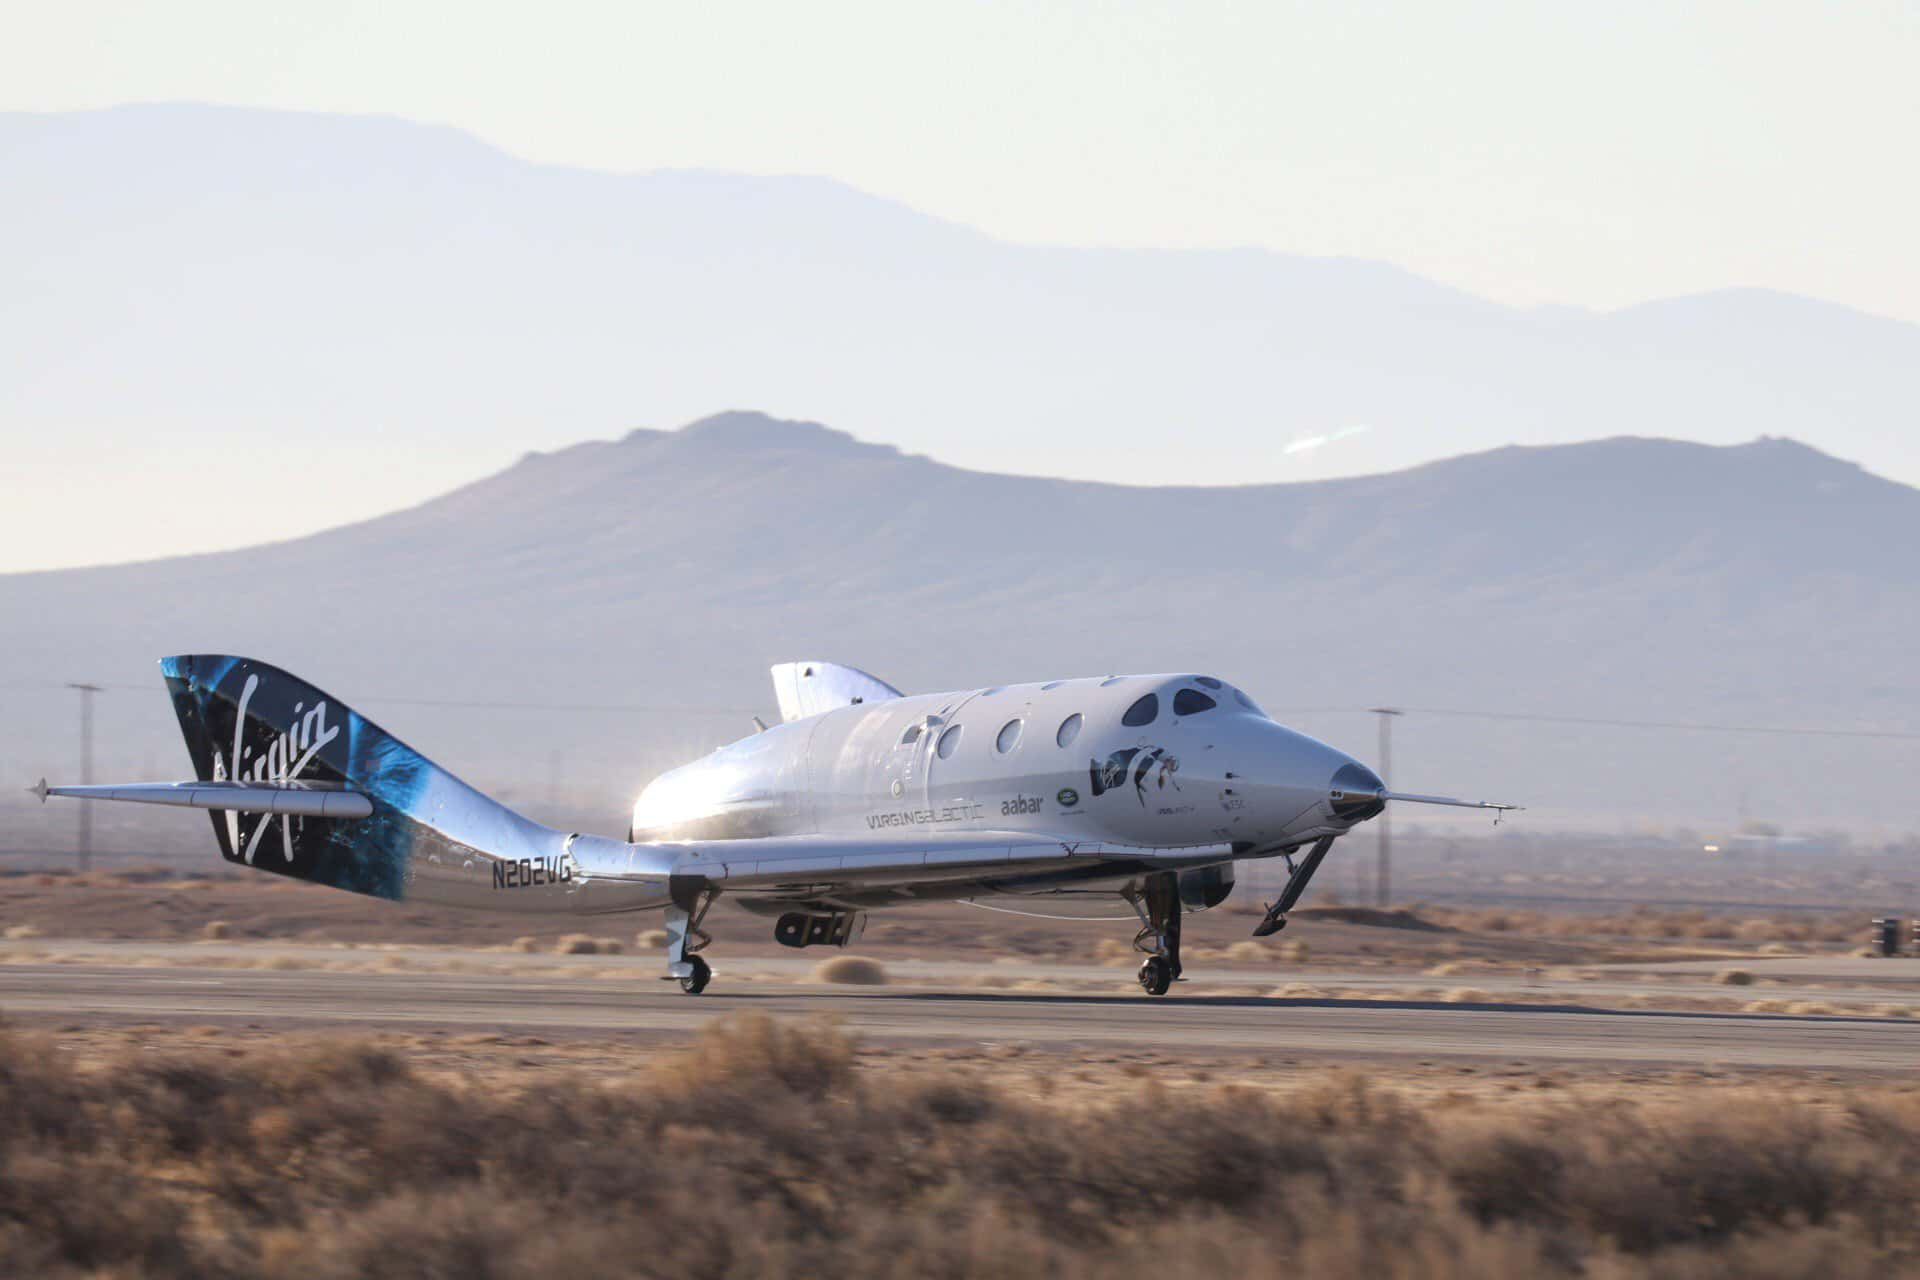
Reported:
(767, 1150)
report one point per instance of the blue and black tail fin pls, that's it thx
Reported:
(252, 724)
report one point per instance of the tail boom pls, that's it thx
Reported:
(301, 785)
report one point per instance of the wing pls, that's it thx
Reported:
(874, 871)
(290, 799)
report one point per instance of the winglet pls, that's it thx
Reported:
(39, 789)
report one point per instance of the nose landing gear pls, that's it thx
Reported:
(1297, 877)
(1158, 906)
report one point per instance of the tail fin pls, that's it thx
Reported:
(808, 688)
(248, 722)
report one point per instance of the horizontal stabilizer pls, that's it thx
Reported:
(291, 801)
(808, 688)
(1408, 798)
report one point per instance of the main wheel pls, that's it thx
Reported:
(696, 982)
(1156, 975)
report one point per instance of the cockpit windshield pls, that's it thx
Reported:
(1191, 702)
(1250, 704)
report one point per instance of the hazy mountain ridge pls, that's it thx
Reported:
(403, 306)
(1762, 583)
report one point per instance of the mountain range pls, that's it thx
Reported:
(591, 614)
(308, 319)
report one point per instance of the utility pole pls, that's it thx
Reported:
(1383, 878)
(86, 770)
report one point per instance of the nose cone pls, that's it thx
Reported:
(1354, 793)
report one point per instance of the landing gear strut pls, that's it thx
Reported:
(685, 937)
(1158, 906)
(1297, 878)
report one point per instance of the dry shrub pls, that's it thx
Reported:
(17, 932)
(1294, 951)
(1113, 951)
(1656, 924)
(216, 930)
(856, 971)
(577, 944)
(765, 1149)
(812, 1059)
(526, 943)
(1734, 978)
(1467, 995)
(650, 940)
(1246, 950)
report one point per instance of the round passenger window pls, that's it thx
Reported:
(1191, 702)
(1009, 737)
(949, 741)
(1069, 730)
(1142, 712)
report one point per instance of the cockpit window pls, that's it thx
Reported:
(1142, 712)
(1191, 702)
(911, 736)
(1248, 703)
(1208, 681)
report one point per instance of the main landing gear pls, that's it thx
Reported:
(701, 973)
(685, 937)
(1158, 905)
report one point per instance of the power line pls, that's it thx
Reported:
(1691, 727)
(86, 692)
(474, 703)
(1524, 717)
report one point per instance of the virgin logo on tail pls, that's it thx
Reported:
(284, 760)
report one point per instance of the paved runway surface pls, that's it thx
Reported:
(549, 1002)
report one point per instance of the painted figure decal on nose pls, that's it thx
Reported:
(1144, 763)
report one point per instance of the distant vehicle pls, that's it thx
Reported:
(1142, 789)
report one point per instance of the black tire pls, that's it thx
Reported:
(1156, 975)
(696, 982)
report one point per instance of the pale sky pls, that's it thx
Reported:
(1591, 154)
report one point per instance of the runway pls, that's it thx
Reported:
(550, 1002)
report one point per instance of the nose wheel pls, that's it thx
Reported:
(1156, 975)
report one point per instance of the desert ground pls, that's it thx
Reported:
(271, 1076)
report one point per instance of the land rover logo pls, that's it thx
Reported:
(1067, 797)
